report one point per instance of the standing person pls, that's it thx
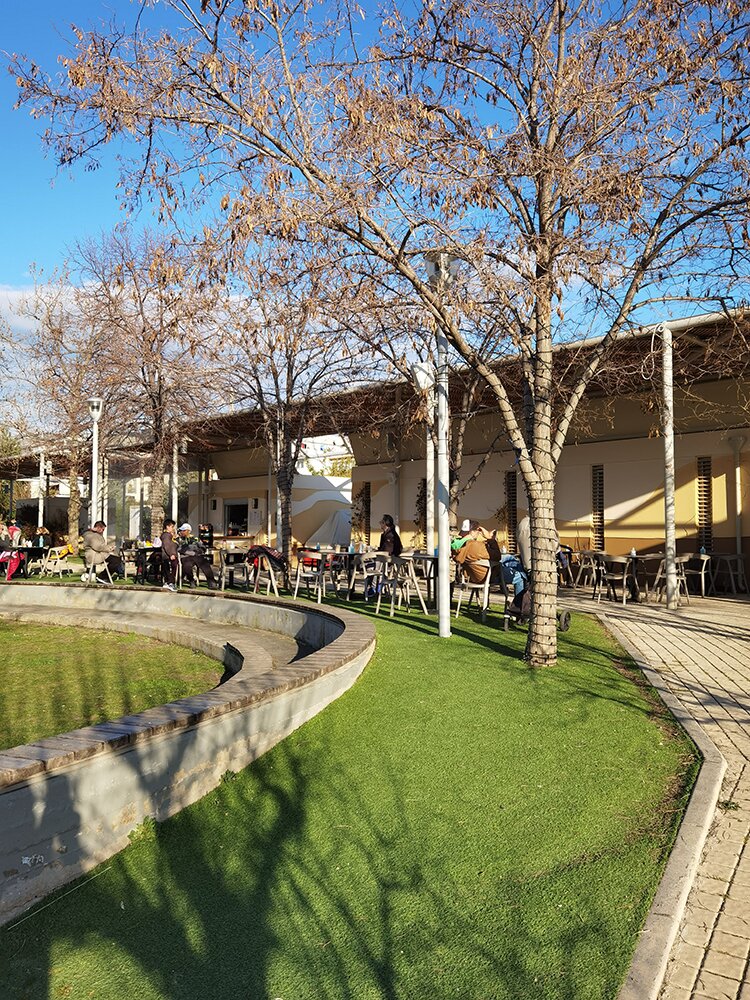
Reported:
(97, 552)
(42, 537)
(193, 555)
(390, 541)
(169, 554)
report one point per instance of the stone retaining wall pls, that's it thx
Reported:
(70, 801)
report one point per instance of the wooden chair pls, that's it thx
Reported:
(701, 571)
(264, 572)
(311, 568)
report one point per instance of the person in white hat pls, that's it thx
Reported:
(193, 556)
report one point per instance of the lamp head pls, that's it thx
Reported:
(96, 405)
(441, 266)
(423, 375)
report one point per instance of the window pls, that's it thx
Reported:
(235, 519)
(597, 506)
(511, 510)
(705, 505)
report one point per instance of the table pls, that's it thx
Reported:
(733, 566)
(32, 553)
(429, 571)
(147, 562)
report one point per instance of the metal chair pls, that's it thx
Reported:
(660, 583)
(264, 572)
(95, 570)
(233, 564)
(56, 561)
(700, 572)
(466, 586)
(611, 572)
(395, 576)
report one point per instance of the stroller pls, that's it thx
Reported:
(519, 609)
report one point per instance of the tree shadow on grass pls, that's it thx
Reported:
(296, 881)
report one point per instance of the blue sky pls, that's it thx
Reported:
(44, 211)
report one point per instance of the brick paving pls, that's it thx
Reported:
(702, 652)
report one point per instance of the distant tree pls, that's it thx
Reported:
(280, 351)
(62, 369)
(152, 315)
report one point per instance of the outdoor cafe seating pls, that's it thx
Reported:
(395, 578)
(465, 586)
(234, 568)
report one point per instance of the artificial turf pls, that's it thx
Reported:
(57, 678)
(456, 825)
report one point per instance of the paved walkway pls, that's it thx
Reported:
(703, 654)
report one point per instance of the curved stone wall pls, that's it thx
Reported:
(70, 801)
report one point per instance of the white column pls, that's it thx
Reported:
(443, 474)
(141, 506)
(430, 483)
(269, 516)
(175, 474)
(737, 442)
(104, 515)
(40, 512)
(670, 548)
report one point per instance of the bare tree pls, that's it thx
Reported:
(281, 351)
(583, 161)
(61, 369)
(153, 317)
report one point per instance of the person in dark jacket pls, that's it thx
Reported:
(193, 556)
(389, 538)
(169, 554)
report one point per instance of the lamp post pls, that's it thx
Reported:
(96, 405)
(40, 493)
(47, 474)
(441, 269)
(424, 379)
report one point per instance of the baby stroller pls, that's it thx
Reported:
(518, 609)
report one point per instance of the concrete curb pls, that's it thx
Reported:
(648, 967)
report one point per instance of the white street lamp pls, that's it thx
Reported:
(40, 492)
(96, 406)
(441, 269)
(424, 379)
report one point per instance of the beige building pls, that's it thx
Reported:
(610, 482)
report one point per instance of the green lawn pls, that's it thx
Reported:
(457, 825)
(57, 678)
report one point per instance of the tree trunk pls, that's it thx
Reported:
(74, 504)
(284, 484)
(541, 645)
(158, 513)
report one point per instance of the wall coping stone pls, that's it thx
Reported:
(348, 636)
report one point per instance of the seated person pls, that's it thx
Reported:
(564, 556)
(97, 553)
(193, 556)
(42, 537)
(473, 548)
(390, 541)
(8, 556)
